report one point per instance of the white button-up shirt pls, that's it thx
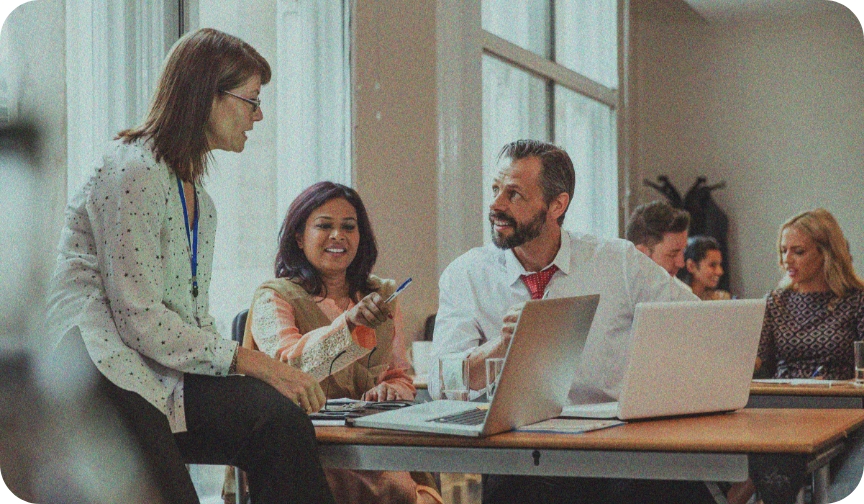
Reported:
(478, 288)
(123, 281)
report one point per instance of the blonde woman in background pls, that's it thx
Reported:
(817, 311)
(811, 320)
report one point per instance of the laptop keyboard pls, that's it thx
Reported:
(471, 417)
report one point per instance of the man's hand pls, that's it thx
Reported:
(509, 327)
(493, 348)
(371, 311)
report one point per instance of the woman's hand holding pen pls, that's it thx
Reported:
(371, 311)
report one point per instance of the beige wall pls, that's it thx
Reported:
(773, 106)
(395, 143)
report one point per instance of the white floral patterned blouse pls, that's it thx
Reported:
(123, 280)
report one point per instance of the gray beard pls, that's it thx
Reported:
(522, 233)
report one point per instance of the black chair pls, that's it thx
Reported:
(238, 327)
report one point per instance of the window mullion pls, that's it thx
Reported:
(512, 54)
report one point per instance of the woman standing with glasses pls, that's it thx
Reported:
(325, 313)
(130, 292)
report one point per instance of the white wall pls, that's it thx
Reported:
(395, 144)
(774, 106)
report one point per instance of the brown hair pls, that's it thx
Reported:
(649, 222)
(200, 64)
(557, 175)
(824, 230)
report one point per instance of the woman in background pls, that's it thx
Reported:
(811, 320)
(703, 267)
(325, 314)
(817, 312)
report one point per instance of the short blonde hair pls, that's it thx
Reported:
(824, 230)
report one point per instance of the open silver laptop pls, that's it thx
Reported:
(686, 358)
(534, 382)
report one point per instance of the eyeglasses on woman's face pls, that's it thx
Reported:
(256, 102)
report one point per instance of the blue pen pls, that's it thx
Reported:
(817, 371)
(398, 290)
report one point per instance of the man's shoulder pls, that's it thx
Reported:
(477, 260)
(586, 244)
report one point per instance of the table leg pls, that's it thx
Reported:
(820, 485)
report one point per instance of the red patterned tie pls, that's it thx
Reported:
(537, 282)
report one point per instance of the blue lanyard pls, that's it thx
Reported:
(191, 238)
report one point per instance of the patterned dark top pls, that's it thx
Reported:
(808, 330)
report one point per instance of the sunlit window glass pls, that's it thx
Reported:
(515, 105)
(586, 129)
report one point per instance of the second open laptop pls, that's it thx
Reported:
(686, 358)
(533, 386)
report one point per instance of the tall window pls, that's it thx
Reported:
(114, 53)
(313, 75)
(550, 72)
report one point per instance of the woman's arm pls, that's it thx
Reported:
(129, 208)
(766, 355)
(394, 383)
(274, 329)
(294, 384)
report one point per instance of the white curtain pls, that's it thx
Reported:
(114, 53)
(314, 107)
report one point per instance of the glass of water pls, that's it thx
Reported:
(494, 365)
(859, 362)
(453, 376)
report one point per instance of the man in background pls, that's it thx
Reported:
(660, 231)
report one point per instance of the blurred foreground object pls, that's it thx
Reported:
(44, 456)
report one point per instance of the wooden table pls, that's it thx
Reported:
(835, 394)
(705, 448)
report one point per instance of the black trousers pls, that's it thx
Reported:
(504, 489)
(238, 420)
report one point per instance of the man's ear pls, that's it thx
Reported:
(558, 206)
(645, 250)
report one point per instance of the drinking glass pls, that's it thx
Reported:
(494, 365)
(859, 362)
(453, 376)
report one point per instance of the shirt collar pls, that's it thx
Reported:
(514, 268)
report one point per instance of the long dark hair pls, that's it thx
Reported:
(292, 263)
(199, 65)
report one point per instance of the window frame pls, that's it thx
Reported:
(462, 42)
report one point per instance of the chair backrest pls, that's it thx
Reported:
(238, 326)
(429, 327)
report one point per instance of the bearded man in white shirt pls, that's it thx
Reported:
(482, 291)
